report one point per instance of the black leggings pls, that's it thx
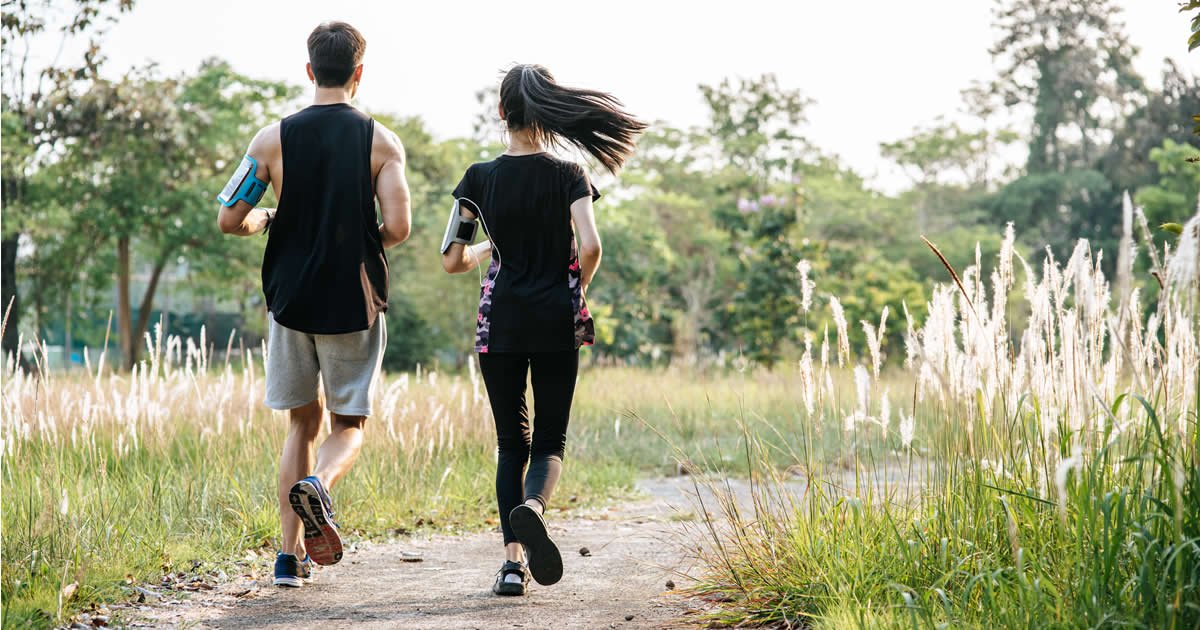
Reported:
(553, 378)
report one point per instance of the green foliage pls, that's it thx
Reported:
(765, 311)
(1056, 208)
(690, 269)
(1194, 38)
(408, 341)
(1174, 197)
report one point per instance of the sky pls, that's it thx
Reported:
(876, 69)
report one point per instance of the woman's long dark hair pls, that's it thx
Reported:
(554, 114)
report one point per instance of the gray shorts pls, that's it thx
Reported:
(348, 364)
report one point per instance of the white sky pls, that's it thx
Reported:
(876, 69)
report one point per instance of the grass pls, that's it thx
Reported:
(1042, 472)
(111, 477)
(1027, 485)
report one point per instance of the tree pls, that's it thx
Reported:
(1073, 62)
(755, 124)
(142, 157)
(1164, 114)
(765, 311)
(929, 155)
(1174, 196)
(24, 102)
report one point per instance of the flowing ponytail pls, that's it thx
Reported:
(556, 115)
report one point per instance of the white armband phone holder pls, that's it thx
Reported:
(460, 229)
(244, 185)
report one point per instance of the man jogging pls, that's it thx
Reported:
(325, 278)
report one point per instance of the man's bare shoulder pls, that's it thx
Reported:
(267, 141)
(386, 144)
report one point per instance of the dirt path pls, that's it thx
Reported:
(622, 583)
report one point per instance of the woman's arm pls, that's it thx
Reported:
(463, 258)
(589, 239)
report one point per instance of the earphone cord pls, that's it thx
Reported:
(496, 250)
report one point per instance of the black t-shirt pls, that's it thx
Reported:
(531, 300)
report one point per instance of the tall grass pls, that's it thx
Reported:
(1043, 472)
(108, 476)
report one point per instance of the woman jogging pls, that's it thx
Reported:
(533, 315)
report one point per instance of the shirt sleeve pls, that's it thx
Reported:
(464, 187)
(581, 186)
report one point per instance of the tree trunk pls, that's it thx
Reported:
(696, 294)
(124, 316)
(11, 306)
(148, 297)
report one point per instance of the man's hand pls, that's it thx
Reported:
(254, 221)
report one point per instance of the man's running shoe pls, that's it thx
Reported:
(315, 509)
(290, 571)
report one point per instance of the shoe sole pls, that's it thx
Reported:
(289, 582)
(509, 590)
(321, 539)
(545, 561)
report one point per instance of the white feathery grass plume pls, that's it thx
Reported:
(1183, 269)
(806, 285)
(850, 421)
(885, 412)
(862, 388)
(808, 385)
(1062, 473)
(1002, 279)
(875, 340)
(1125, 248)
(872, 345)
(1005, 267)
(839, 319)
(911, 343)
(825, 351)
(908, 426)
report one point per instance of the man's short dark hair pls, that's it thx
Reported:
(335, 49)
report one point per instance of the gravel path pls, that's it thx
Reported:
(633, 559)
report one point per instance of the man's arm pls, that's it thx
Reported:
(242, 219)
(391, 188)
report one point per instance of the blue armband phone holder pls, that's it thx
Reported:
(244, 185)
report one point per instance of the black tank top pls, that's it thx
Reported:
(324, 270)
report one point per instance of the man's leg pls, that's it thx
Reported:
(296, 463)
(340, 449)
(350, 365)
(292, 374)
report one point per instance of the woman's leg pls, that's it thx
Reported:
(553, 378)
(504, 376)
